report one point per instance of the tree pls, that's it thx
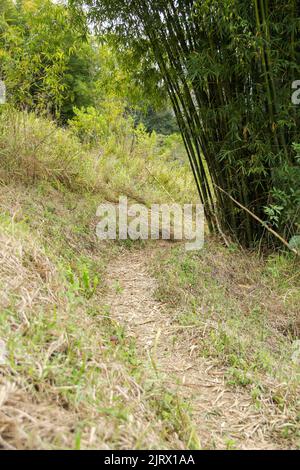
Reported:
(46, 60)
(52, 62)
(228, 67)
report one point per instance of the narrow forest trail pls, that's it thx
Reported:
(222, 417)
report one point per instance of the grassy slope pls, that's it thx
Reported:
(244, 314)
(71, 378)
(65, 381)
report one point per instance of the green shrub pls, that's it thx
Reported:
(34, 148)
(284, 210)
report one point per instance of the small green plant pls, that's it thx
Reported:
(88, 284)
(118, 288)
(230, 444)
(175, 415)
(84, 280)
(238, 377)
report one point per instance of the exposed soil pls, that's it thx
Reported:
(222, 416)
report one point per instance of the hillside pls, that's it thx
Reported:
(140, 345)
(149, 228)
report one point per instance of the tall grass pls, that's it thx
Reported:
(33, 148)
(123, 160)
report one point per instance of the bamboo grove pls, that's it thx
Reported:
(228, 68)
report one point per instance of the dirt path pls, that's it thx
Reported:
(223, 418)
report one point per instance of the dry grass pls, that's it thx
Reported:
(70, 376)
(75, 372)
(237, 311)
(34, 149)
(89, 361)
(193, 394)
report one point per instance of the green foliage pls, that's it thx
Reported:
(101, 152)
(295, 242)
(51, 63)
(96, 126)
(89, 125)
(34, 149)
(85, 280)
(163, 122)
(228, 67)
(284, 210)
(233, 109)
(45, 60)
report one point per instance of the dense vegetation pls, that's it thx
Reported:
(53, 65)
(228, 70)
(228, 67)
(124, 344)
